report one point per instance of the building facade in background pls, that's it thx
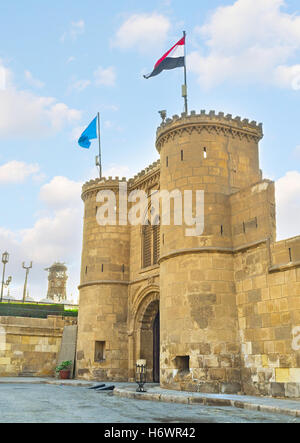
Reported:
(57, 283)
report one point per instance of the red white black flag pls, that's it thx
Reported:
(174, 58)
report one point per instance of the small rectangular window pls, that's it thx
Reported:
(99, 351)
(182, 156)
(167, 162)
(182, 363)
(204, 152)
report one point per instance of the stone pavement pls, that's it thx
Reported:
(56, 403)
(156, 394)
(261, 404)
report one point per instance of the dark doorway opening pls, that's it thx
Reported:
(156, 349)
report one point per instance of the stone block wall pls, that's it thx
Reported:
(268, 300)
(29, 346)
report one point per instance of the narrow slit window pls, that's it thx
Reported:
(290, 254)
(204, 152)
(222, 230)
(167, 162)
(182, 156)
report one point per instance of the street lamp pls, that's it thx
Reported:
(141, 375)
(6, 285)
(5, 258)
(26, 279)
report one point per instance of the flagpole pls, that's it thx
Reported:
(100, 155)
(184, 88)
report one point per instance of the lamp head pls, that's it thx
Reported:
(163, 115)
(5, 258)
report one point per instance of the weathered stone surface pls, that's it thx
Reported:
(29, 346)
(229, 299)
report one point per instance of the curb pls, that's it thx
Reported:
(206, 401)
(44, 381)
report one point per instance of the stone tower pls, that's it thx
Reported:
(216, 311)
(199, 323)
(102, 335)
(57, 283)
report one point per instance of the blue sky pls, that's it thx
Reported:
(63, 61)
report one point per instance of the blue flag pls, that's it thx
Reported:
(89, 134)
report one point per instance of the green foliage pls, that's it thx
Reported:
(64, 366)
(35, 310)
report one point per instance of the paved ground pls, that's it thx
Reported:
(44, 403)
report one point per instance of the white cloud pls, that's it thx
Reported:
(144, 32)
(112, 108)
(61, 193)
(80, 85)
(248, 41)
(76, 133)
(288, 205)
(105, 76)
(55, 236)
(288, 77)
(117, 171)
(24, 114)
(17, 172)
(76, 29)
(33, 81)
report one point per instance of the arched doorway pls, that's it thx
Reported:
(150, 340)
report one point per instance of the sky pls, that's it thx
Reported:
(63, 61)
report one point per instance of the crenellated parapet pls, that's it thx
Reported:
(92, 187)
(147, 176)
(212, 123)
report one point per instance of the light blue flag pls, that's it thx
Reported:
(89, 134)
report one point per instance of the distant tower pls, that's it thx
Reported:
(57, 282)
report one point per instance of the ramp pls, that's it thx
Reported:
(68, 346)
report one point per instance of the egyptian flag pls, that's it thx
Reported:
(174, 58)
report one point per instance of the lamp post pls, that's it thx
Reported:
(7, 283)
(141, 375)
(5, 258)
(26, 279)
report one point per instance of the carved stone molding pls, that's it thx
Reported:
(217, 128)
